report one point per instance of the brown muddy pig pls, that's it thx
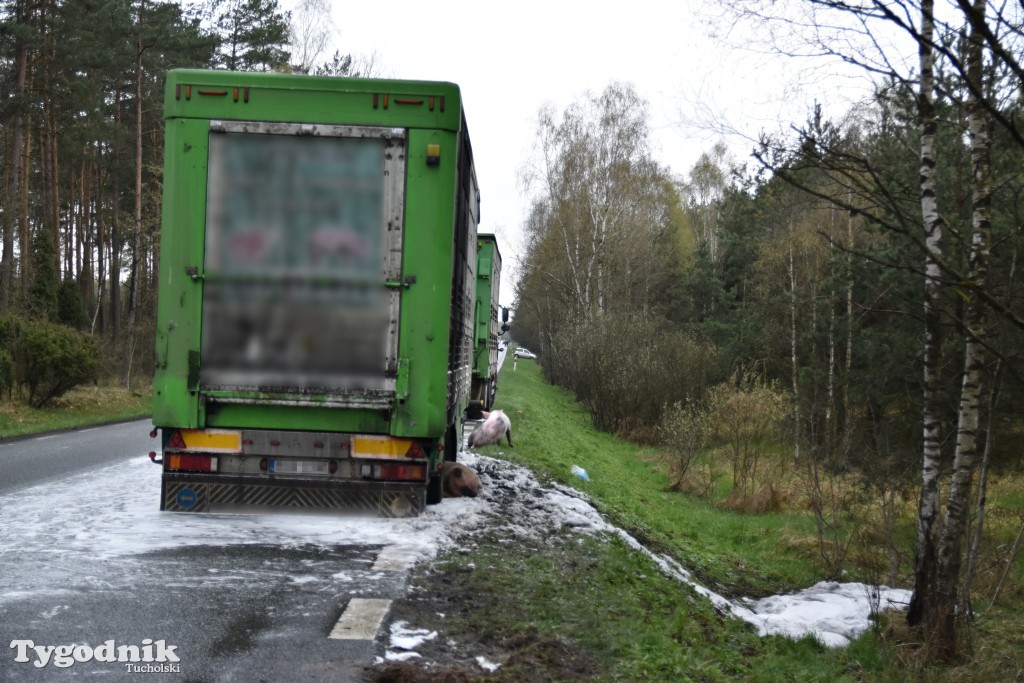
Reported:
(460, 480)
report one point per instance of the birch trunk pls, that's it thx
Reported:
(922, 603)
(954, 532)
(793, 354)
(979, 525)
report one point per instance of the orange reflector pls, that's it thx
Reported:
(207, 441)
(380, 447)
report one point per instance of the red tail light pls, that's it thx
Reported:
(192, 463)
(403, 472)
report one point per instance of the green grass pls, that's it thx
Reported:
(621, 618)
(614, 616)
(78, 408)
(737, 553)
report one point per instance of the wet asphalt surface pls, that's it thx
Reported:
(252, 612)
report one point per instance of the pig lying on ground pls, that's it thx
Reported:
(491, 430)
(460, 480)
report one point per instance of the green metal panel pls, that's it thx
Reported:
(426, 309)
(487, 317)
(311, 99)
(180, 291)
(431, 113)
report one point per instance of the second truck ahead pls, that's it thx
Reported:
(490, 323)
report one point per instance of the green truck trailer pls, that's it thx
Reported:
(317, 284)
(491, 323)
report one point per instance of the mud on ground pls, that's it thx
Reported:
(514, 513)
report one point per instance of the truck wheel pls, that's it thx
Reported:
(451, 444)
(435, 490)
(474, 412)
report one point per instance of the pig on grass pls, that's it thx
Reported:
(495, 425)
(460, 480)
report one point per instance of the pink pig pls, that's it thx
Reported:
(491, 430)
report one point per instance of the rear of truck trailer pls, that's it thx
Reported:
(317, 275)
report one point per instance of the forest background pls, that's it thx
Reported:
(834, 326)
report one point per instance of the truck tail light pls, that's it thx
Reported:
(191, 463)
(403, 472)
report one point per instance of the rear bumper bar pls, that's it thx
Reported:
(224, 493)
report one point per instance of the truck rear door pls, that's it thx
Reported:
(303, 237)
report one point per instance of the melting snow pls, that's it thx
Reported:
(405, 638)
(488, 666)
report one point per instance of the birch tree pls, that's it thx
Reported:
(954, 532)
(592, 171)
(968, 41)
(705, 191)
(931, 455)
(310, 29)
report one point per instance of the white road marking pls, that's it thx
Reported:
(361, 619)
(44, 438)
(394, 558)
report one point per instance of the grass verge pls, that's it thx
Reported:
(573, 607)
(78, 408)
(734, 553)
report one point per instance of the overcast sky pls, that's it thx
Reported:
(511, 59)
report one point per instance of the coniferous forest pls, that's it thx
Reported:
(81, 136)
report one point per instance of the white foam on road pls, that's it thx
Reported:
(114, 513)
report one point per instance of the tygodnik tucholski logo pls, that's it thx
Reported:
(153, 656)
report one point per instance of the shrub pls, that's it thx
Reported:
(71, 305)
(745, 417)
(626, 367)
(10, 334)
(6, 372)
(683, 433)
(53, 359)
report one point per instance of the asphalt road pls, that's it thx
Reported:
(87, 558)
(36, 459)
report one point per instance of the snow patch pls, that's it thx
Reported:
(834, 613)
(486, 665)
(404, 640)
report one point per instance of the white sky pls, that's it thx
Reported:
(511, 59)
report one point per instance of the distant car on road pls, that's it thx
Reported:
(524, 353)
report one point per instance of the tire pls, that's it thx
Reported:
(435, 489)
(451, 444)
(474, 412)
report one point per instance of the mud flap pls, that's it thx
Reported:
(201, 493)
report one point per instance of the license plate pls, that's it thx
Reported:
(297, 467)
